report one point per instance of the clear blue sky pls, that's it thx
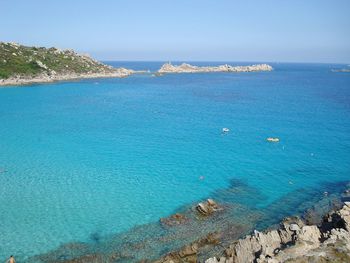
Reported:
(226, 30)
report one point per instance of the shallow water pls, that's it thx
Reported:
(94, 158)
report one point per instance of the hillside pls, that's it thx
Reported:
(21, 65)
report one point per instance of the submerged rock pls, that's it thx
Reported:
(174, 220)
(190, 252)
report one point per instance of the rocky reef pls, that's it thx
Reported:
(25, 65)
(187, 68)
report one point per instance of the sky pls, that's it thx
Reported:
(184, 30)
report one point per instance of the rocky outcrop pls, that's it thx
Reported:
(25, 65)
(187, 68)
(346, 70)
(208, 207)
(295, 242)
(53, 76)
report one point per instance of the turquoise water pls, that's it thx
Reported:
(98, 157)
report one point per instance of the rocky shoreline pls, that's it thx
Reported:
(217, 230)
(110, 72)
(187, 68)
(296, 240)
(22, 65)
(46, 78)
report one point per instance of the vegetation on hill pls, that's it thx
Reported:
(17, 60)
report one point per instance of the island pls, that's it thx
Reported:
(187, 68)
(21, 65)
(347, 70)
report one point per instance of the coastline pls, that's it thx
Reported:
(320, 235)
(111, 72)
(45, 78)
(226, 234)
(293, 241)
(23, 65)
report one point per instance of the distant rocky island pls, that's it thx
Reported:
(187, 68)
(25, 65)
(341, 70)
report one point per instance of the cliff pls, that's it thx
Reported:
(24, 65)
(187, 68)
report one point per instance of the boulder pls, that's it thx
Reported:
(208, 207)
(188, 250)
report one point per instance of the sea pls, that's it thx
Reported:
(91, 166)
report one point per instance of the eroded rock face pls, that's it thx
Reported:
(295, 242)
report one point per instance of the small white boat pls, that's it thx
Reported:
(271, 139)
(225, 129)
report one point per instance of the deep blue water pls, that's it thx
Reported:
(103, 155)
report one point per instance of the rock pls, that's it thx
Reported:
(220, 260)
(187, 68)
(175, 219)
(210, 239)
(309, 234)
(344, 214)
(208, 207)
(295, 242)
(189, 250)
(247, 249)
(294, 227)
(40, 64)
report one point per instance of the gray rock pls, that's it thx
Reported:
(295, 242)
(294, 227)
